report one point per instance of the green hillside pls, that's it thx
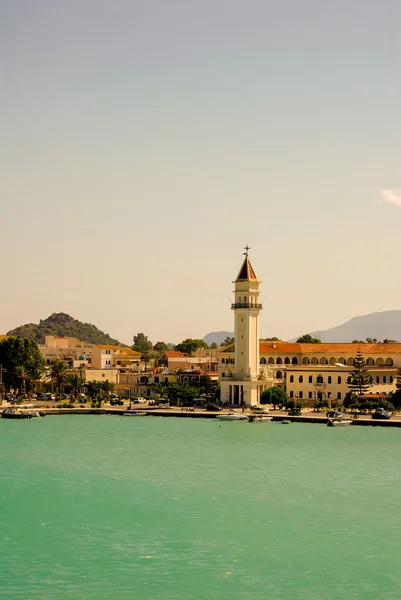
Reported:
(64, 325)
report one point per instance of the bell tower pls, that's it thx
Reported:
(246, 307)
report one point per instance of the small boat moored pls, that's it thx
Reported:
(15, 413)
(339, 422)
(285, 422)
(134, 413)
(259, 418)
(232, 417)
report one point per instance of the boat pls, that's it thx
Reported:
(339, 422)
(134, 413)
(15, 413)
(285, 422)
(32, 412)
(232, 417)
(257, 418)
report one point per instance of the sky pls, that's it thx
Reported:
(144, 143)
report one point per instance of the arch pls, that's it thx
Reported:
(323, 361)
(287, 361)
(271, 360)
(314, 361)
(341, 360)
(263, 360)
(389, 362)
(339, 379)
(332, 361)
(305, 361)
(292, 379)
(294, 360)
(319, 379)
(370, 362)
(329, 379)
(350, 361)
(279, 361)
(301, 379)
(223, 360)
(310, 379)
(279, 375)
(377, 379)
(379, 362)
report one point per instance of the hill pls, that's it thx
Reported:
(379, 325)
(63, 325)
(217, 337)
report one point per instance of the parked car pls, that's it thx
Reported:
(41, 397)
(380, 413)
(294, 412)
(334, 414)
(140, 400)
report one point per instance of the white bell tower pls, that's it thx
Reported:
(242, 386)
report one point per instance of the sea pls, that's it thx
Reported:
(115, 508)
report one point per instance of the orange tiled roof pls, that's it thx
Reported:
(246, 272)
(334, 348)
(174, 354)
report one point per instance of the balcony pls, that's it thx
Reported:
(245, 305)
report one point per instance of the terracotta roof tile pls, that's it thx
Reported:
(174, 354)
(246, 272)
(334, 348)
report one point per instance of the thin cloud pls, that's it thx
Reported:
(391, 196)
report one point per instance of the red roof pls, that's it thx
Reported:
(246, 272)
(174, 354)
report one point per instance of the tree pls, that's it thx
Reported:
(398, 379)
(272, 339)
(228, 341)
(93, 388)
(108, 387)
(22, 376)
(189, 345)
(213, 346)
(76, 382)
(20, 352)
(359, 380)
(58, 373)
(141, 343)
(160, 389)
(308, 339)
(274, 395)
(160, 347)
(146, 356)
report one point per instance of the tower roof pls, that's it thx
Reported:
(246, 272)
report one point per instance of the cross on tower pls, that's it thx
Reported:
(246, 250)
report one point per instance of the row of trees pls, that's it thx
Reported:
(184, 393)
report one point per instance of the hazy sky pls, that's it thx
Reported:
(145, 142)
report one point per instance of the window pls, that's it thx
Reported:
(291, 394)
(310, 379)
(384, 379)
(310, 395)
(223, 360)
(156, 380)
(301, 394)
(279, 360)
(319, 379)
(339, 379)
(301, 379)
(294, 360)
(329, 379)
(391, 379)
(287, 360)
(377, 379)
(338, 395)
(292, 379)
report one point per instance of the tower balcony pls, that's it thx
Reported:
(245, 305)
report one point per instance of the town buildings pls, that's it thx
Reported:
(309, 372)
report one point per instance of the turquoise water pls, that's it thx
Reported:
(109, 507)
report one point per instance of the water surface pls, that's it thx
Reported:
(109, 507)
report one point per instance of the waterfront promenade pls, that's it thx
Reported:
(278, 415)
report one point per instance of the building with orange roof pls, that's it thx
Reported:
(308, 372)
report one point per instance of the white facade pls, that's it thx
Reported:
(244, 385)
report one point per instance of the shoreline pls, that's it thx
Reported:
(202, 414)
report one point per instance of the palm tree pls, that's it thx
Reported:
(160, 389)
(76, 382)
(21, 376)
(58, 373)
(93, 388)
(108, 387)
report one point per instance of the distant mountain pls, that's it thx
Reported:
(63, 325)
(379, 325)
(217, 337)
